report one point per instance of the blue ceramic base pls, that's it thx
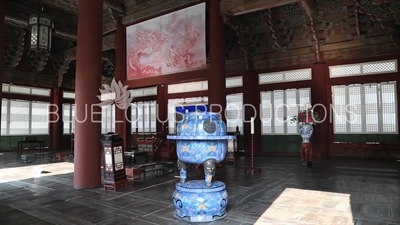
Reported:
(194, 202)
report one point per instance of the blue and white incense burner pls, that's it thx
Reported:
(201, 139)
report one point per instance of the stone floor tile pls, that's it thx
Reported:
(334, 191)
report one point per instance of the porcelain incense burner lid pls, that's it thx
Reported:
(200, 137)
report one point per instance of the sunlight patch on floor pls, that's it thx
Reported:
(26, 172)
(301, 207)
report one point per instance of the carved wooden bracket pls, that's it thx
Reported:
(388, 14)
(116, 5)
(105, 81)
(61, 66)
(38, 59)
(395, 8)
(108, 69)
(109, 21)
(377, 12)
(13, 46)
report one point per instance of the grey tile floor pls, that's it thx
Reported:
(373, 187)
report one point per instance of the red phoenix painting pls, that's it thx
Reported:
(167, 44)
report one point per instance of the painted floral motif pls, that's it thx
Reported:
(198, 202)
(306, 116)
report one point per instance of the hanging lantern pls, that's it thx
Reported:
(41, 29)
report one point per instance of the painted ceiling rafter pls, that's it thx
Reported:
(245, 39)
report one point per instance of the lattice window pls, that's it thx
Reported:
(153, 116)
(66, 117)
(380, 67)
(205, 85)
(140, 116)
(271, 78)
(41, 91)
(285, 76)
(73, 118)
(144, 116)
(39, 118)
(5, 88)
(389, 108)
(4, 115)
(150, 91)
(279, 106)
(176, 88)
(19, 117)
(234, 82)
(25, 90)
(24, 117)
(339, 108)
(69, 95)
(298, 75)
(291, 103)
(193, 86)
(389, 66)
(371, 105)
(172, 114)
(355, 101)
(107, 119)
(20, 89)
(187, 87)
(234, 112)
(368, 108)
(344, 71)
(266, 112)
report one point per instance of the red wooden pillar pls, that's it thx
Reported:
(120, 77)
(216, 78)
(127, 129)
(87, 165)
(56, 123)
(320, 100)
(251, 101)
(162, 108)
(2, 15)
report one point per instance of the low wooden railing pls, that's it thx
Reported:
(154, 142)
(367, 149)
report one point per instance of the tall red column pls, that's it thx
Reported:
(251, 97)
(127, 135)
(120, 76)
(2, 15)
(56, 123)
(162, 108)
(320, 100)
(87, 171)
(216, 79)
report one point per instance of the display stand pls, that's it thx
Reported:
(114, 165)
(306, 154)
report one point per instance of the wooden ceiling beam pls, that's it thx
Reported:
(237, 7)
(117, 6)
(156, 10)
(108, 44)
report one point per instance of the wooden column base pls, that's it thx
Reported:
(115, 184)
